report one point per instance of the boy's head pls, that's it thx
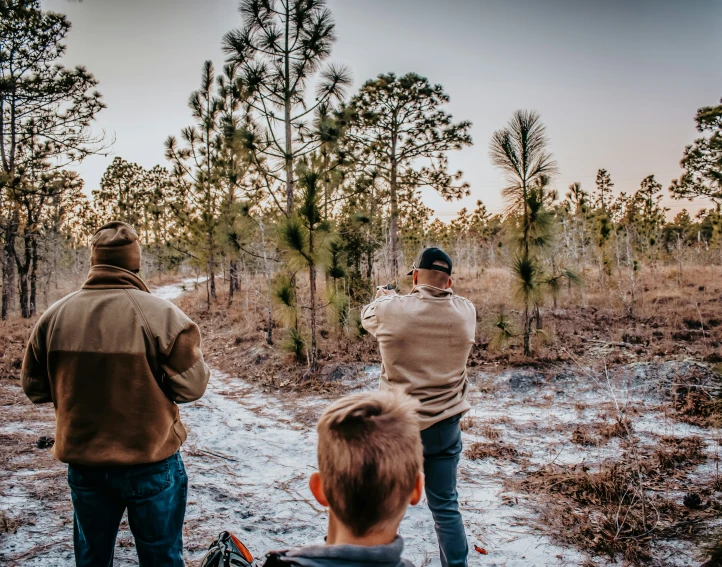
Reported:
(370, 461)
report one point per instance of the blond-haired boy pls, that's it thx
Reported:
(370, 461)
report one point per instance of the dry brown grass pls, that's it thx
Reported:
(467, 423)
(670, 317)
(620, 426)
(234, 341)
(698, 399)
(674, 453)
(14, 334)
(490, 432)
(598, 434)
(602, 508)
(494, 450)
(234, 336)
(10, 524)
(582, 435)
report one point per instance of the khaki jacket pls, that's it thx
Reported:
(114, 360)
(425, 339)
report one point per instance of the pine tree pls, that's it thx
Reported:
(46, 110)
(279, 50)
(234, 165)
(305, 237)
(649, 214)
(520, 151)
(194, 166)
(702, 160)
(399, 129)
(604, 189)
(123, 195)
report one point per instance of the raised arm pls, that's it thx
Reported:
(370, 314)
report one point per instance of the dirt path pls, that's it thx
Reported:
(248, 459)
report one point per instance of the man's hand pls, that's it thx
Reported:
(381, 291)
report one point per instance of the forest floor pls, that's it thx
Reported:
(554, 450)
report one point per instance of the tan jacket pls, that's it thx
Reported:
(114, 360)
(425, 338)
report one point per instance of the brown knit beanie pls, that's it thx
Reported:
(116, 244)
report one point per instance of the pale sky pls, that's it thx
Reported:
(617, 82)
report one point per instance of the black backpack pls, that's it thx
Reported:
(228, 551)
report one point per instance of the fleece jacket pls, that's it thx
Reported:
(115, 360)
(425, 339)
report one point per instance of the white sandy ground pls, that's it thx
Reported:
(249, 455)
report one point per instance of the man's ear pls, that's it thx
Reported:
(418, 490)
(449, 283)
(315, 483)
(415, 276)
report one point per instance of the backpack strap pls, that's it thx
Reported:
(273, 559)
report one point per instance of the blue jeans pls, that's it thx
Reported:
(155, 496)
(442, 449)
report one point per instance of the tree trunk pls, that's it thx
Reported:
(267, 272)
(34, 277)
(8, 291)
(9, 267)
(287, 118)
(312, 285)
(312, 290)
(289, 165)
(326, 183)
(527, 330)
(394, 220)
(370, 250)
(24, 295)
(211, 268)
(231, 286)
(145, 222)
(23, 281)
(23, 270)
(233, 281)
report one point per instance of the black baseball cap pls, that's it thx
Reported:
(426, 260)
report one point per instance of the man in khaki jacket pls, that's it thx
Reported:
(425, 339)
(115, 360)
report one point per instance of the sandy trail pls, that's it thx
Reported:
(248, 459)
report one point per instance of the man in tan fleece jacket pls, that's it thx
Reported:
(425, 339)
(115, 360)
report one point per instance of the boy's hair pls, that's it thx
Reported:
(369, 457)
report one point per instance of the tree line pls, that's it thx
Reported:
(285, 175)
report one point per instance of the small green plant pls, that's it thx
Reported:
(295, 343)
(284, 296)
(358, 324)
(504, 332)
(339, 309)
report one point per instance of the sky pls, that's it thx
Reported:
(616, 82)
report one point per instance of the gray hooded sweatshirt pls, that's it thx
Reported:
(343, 556)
